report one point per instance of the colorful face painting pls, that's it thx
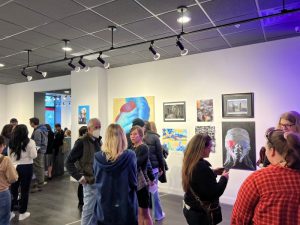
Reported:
(125, 110)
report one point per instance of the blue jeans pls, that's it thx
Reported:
(158, 213)
(5, 204)
(89, 199)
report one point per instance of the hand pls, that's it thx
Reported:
(225, 174)
(151, 183)
(219, 170)
(82, 180)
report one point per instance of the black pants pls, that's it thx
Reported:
(80, 194)
(25, 175)
(194, 217)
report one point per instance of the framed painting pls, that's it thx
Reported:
(238, 105)
(239, 145)
(174, 111)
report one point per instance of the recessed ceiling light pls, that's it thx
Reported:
(183, 19)
(2, 65)
(67, 92)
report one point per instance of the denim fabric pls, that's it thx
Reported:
(5, 204)
(156, 205)
(89, 199)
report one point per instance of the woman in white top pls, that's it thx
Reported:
(22, 151)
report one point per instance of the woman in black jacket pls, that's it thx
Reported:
(199, 180)
(151, 139)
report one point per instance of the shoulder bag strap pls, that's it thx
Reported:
(1, 159)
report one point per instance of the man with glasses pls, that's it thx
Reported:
(80, 166)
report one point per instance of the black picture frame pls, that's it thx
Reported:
(174, 111)
(238, 138)
(240, 105)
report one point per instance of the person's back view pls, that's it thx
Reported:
(271, 195)
(116, 180)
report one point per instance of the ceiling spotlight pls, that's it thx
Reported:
(66, 48)
(75, 68)
(83, 65)
(183, 51)
(156, 55)
(106, 65)
(2, 65)
(44, 74)
(184, 18)
(29, 78)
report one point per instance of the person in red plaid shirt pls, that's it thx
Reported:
(271, 196)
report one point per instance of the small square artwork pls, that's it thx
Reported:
(174, 139)
(207, 130)
(205, 110)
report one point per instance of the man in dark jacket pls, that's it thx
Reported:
(58, 154)
(80, 166)
(40, 136)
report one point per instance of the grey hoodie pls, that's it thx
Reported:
(40, 136)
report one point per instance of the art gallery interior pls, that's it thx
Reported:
(258, 56)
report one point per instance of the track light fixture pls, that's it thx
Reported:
(156, 55)
(183, 50)
(106, 65)
(29, 78)
(75, 68)
(84, 67)
(44, 74)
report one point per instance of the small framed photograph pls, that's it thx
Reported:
(238, 105)
(174, 112)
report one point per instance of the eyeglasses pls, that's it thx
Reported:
(286, 126)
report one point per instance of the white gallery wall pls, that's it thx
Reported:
(270, 70)
(3, 111)
(20, 97)
(89, 88)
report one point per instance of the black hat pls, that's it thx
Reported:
(138, 122)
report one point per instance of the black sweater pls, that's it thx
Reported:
(204, 184)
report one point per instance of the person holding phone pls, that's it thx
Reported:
(199, 180)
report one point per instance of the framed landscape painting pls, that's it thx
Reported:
(238, 105)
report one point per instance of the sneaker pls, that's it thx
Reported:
(23, 216)
(12, 215)
(162, 217)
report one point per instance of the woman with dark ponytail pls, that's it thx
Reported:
(272, 194)
(22, 151)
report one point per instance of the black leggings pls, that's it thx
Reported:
(25, 172)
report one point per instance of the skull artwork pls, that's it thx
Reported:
(237, 144)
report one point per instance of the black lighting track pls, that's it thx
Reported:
(282, 12)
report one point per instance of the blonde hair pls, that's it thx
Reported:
(115, 142)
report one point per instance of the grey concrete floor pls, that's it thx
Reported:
(57, 205)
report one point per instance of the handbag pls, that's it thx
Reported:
(142, 182)
(212, 209)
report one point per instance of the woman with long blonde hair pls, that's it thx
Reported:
(199, 181)
(116, 180)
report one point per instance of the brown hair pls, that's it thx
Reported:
(291, 116)
(287, 145)
(150, 126)
(139, 130)
(192, 155)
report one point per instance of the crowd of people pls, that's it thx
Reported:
(24, 162)
(118, 177)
